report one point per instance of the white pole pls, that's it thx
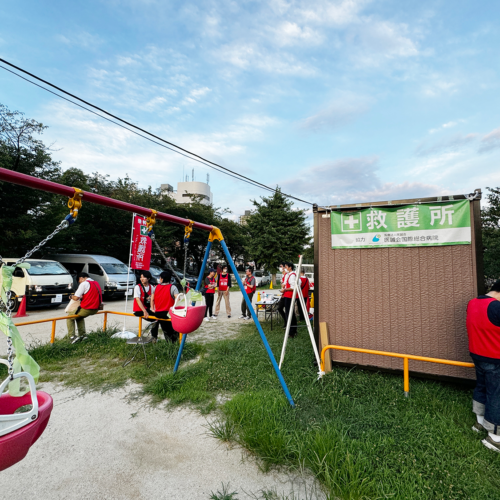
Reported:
(309, 328)
(128, 268)
(289, 321)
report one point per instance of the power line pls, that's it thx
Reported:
(178, 149)
(126, 128)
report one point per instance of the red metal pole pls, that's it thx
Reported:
(53, 187)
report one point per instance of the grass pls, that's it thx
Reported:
(354, 429)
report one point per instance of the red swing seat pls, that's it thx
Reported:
(15, 445)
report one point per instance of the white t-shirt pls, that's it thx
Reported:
(138, 288)
(291, 279)
(83, 288)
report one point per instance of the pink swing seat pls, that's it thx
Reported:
(191, 321)
(15, 445)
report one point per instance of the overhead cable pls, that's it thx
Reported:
(174, 147)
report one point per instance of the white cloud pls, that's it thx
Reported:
(336, 114)
(82, 39)
(290, 33)
(490, 141)
(455, 142)
(446, 126)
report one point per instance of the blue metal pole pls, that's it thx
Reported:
(257, 324)
(198, 286)
(179, 354)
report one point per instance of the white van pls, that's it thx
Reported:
(110, 273)
(46, 283)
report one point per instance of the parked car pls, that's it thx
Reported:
(110, 273)
(262, 278)
(45, 283)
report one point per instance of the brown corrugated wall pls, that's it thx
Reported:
(405, 300)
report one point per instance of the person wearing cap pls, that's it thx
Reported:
(483, 329)
(90, 294)
(162, 300)
(250, 286)
(210, 284)
(142, 301)
(223, 284)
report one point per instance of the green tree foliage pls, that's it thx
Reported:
(491, 236)
(276, 232)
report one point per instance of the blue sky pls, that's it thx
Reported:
(336, 101)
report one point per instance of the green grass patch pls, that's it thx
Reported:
(354, 429)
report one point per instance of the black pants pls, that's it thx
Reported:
(245, 311)
(299, 307)
(209, 301)
(168, 330)
(293, 326)
(281, 308)
(154, 329)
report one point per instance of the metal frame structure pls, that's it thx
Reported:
(214, 234)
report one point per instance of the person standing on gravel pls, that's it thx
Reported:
(210, 284)
(90, 294)
(483, 329)
(223, 284)
(250, 286)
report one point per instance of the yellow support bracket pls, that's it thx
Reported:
(188, 230)
(215, 234)
(151, 220)
(75, 203)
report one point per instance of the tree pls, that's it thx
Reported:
(277, 232)
(491, 236)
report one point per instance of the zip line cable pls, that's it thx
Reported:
(177, 149)
(132, 131)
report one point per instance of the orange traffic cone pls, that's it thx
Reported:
(21, 312)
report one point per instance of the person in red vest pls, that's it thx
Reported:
(287, 286)
(90, 294)
(142, 301)
(304, 287)
(223, 284)
(162, 300)
(250, 286)
(210, 285)
(483, 329)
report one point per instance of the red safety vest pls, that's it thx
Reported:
(92, 299)
(148, 293)
(248, 288)
(484, 336)
(212, 281)
(223, 282)
(163, 297)
(288, 295)
(304, 286)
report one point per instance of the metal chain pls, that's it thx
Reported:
(10, 349)
(63, 225)
(166, 260)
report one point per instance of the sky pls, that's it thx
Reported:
(339, 101)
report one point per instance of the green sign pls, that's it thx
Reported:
(430, 224)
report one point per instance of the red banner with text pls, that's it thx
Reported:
(141, 244)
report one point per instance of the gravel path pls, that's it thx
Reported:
(111, 446)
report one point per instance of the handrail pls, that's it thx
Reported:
(406, 358)
(104, 323)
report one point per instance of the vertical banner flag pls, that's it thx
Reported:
(141, 244)
(429, 224)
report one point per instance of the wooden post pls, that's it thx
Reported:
(323, 329)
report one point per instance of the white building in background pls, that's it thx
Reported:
(187, 191)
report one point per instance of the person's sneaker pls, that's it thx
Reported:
(206, 319)
(154, 340)
(492, 445)
(242, 317)
(248, 317)
(74, 339)
(228, 315)
(214, 317)
(477, 427)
